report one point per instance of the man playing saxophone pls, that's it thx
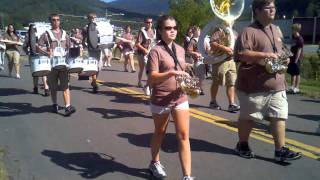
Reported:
(262, 95)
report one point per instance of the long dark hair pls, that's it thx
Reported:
(160, 24)
(14, 30)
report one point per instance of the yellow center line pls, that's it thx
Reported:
(308, 150)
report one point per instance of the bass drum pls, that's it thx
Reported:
(75, 65)
(40, 66)
(90, 67)
(59, 63)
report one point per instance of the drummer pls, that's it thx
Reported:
(49, 44)
(91, 41)
(30, 47)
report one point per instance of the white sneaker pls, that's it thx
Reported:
(109, 65)
(18, 76)
(188, 178)
(296, 90)
(157, 170)
(146, 90)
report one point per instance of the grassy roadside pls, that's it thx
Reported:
(3, 171)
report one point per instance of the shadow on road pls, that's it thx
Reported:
(91, 165)
(13, 109)
(170, 145)
(117, 84)
(117, 113)
(311, 100)
(124, 97)
(12, 91)
(307, 116)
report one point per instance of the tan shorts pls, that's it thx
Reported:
(259, 106)
(224, 74)
(13, 56)
(58, 80)
(166, 109)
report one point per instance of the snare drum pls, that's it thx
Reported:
(90, 67)
(75, 65)
(40, 66)
(59, 63)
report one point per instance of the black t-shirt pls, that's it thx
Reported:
(297, 42)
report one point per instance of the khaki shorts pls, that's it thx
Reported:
(58, 80)
(259, 106)
(224, 73)
(166, 109)
(13, 56)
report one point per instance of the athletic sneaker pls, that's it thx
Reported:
(157, 169)
(233, 108)
(243, 150)
(146, 90)
(296, 90)
(188, 178)
(214, 105)
(285, 154)
(69, 110)
(17, 76)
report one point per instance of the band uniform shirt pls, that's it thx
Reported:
(253, 78)
(220, 37)
(193, 46)
(166, 93)
(13, 37)
(144, 41)
(127, 46)
(45, 41)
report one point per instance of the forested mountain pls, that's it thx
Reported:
(22, 12)
(153, 7)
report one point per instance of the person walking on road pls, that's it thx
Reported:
(166, 60)
(296, 59)
(126, 45)
(223, 73)
(145, 41)
(12, 50)
(262, 95)
(54, 43)
(30, 44)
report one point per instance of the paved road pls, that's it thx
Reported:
(108, 137)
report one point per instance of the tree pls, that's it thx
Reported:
(188, 13)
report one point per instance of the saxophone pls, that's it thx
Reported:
(189, 85)
(278, 65)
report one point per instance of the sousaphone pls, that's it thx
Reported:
(226, 11)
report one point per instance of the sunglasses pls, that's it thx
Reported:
(55, 19)
(148, 22)
(170, 28)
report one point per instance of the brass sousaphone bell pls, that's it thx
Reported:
(227, 12)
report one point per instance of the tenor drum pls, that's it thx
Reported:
(90, 67)
(75, 65)
(59, 63)
(40, 66)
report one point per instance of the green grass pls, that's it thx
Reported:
(3, 171)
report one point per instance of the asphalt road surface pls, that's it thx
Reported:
(108, 137)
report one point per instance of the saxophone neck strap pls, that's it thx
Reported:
(173, 54)
(272, 40)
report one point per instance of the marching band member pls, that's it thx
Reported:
(12, 51)
(30, 47)
(198, 66)
(166, 60)
(2, 52)
(92, 40)
(223, 73)
(262, 95)
(127, 49)
(145, 40)
(56, 42)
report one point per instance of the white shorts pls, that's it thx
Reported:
(167, 109)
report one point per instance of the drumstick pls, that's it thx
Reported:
(125, 40)
(11, 42)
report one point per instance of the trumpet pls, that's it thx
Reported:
(278, 65)
(189, 85)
